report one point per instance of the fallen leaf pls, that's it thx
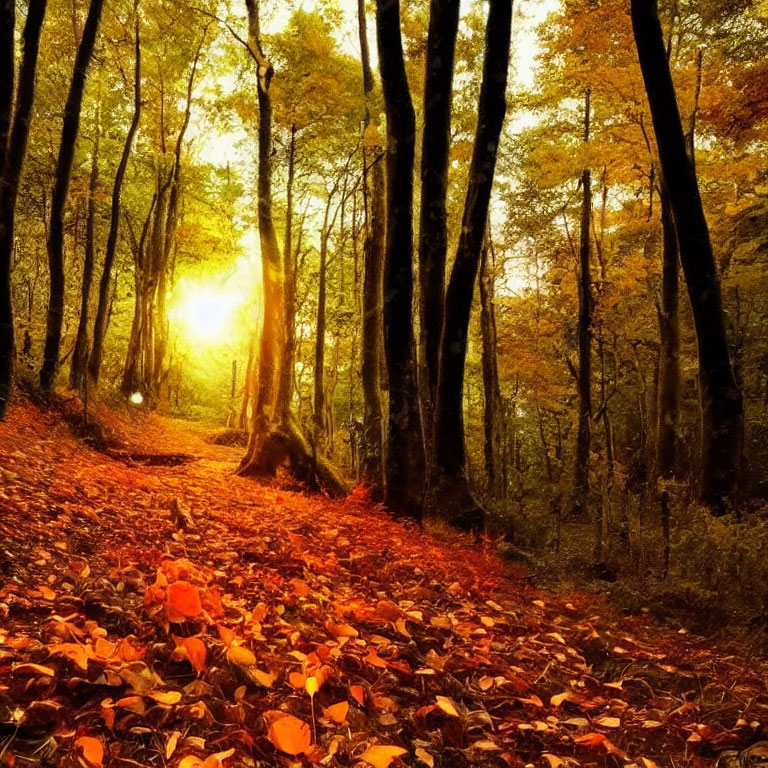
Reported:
(338, 712)
(288, 733)
(183, 601)
(92, 749)
(381, 755)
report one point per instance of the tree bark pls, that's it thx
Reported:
(69, 132)
(371, 468)
(404, 468)
(450, 493)
(13, 152)
(669, 345)
(433, 227)
(492, 404)
(77, 371)
(580, 497)
(285, 383)
(100, 321)
(720, 396)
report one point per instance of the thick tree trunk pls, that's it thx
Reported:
(371, 468)
(433, 227)
(77, 371)
(580, 491)
(450, 494)
(12, 157)
(492, 405)
(100, 321)
(69, 132)
(721, 400)
(669, 346)
(404, 468)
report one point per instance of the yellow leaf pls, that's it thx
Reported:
(311, 686)
(33, 669)
(241, 656)
(92, 749)
(166, 697)
(381, 755)
(263, 678)
(447, 705)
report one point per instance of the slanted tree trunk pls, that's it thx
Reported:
(433, 226)
(669, 341)
(492, 404)
(404, 467)
(13, 150)
(69, 132)
(274, 438)
(721, 400)
(100, 321)
(371, 468)
(450, 494)
(77, 370)
(580, 490)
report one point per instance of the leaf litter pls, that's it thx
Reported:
(279, 628)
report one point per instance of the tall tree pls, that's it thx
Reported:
(720, 396)
(404, 467)
(373, 259)
(77, 371)
(433, 224)
(14, 132)
(100, 320)
(580, 498)
(69, 132)
(451, 485)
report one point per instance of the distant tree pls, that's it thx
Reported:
(105, 283)
(14, 132)
(721, 400)
(69, 133)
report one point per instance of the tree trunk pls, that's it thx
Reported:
(319, 368)
(433, 227)
(274, 438)
(100, 321)
(669, 349)
(450, 493)
(70, 129)
(12, 154)
(371, 468)
(285, 383)
(404, 468)
(77, 371)
(580, 499)
(721, 400)
(491, 390)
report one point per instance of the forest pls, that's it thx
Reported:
(383, 383)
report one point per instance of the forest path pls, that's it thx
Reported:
(169, 644)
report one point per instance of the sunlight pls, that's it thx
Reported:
(206, 313)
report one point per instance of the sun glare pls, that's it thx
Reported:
(204, 313)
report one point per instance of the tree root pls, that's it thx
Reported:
(286, 445)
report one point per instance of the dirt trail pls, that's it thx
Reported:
(171, 646)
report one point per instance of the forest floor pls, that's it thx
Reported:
(156, 609)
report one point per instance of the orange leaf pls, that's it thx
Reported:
(183, 601)
(194, 650)
(338, 712)
(340, 630)
(297, 680)
(288, 733)
(240, 656)
(381, 755)
(226, 634)
(357, 693)
(374, 659)
(598, 740)
(92, 749)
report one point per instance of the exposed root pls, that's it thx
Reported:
(285, 445)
